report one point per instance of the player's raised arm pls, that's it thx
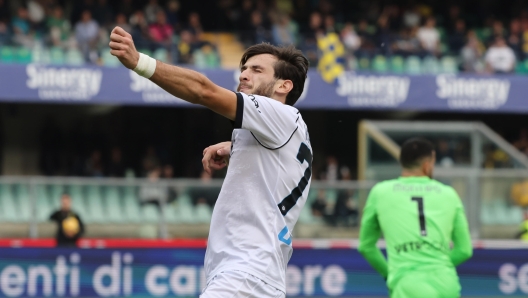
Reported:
(186, 84)
(369, 234)
(462, 248)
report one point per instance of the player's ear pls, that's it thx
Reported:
(283, 86)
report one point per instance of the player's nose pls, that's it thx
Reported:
(244, 76)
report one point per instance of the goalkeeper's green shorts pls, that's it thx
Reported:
(441, 283)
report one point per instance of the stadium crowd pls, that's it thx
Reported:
(372, 34)
(85, 26)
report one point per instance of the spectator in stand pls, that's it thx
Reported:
(140, 30)
(411, 17)
(161, 31)
(367, 40)
(283, 31)
(329, 24)
(310, 36)
(186, 47)
(471, 53)
(350, 38)
(383, 38)
(21, 28)
(4, 11)
(121, 21)
(103, 13)
(407, 43)
(500, 59)
(331, 172)
(94, 165)
(345, 209)
(173, 14)
(36, 15)
(168, 173)
(150, 160)
(255, 33)
(4, 33)
(515, 38)
(457, 38)
(152, 192)
(319, 205)
(116, 167)
(522, 142)
(429, 37)
(59, 28)
(524, 37)
(205, 193)
(195, 27)
(126, 7)
(87, 35)
(69, 225)
(151, 11)
(244, 19)
(497, 29)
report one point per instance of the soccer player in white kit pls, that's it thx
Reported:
(270, 158)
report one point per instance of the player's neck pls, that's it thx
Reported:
(413, 173)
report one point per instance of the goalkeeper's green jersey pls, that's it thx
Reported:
(420, 218)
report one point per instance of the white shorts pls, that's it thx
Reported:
(238, 284)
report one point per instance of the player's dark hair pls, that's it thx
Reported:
(413, 151)
(291, 65)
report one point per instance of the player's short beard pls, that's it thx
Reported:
(266, 89)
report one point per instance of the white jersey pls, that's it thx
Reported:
(266, 186)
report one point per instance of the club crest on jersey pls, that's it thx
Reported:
(254, 100)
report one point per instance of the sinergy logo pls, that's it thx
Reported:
(373, 91)
(472, 93)
(64, 83)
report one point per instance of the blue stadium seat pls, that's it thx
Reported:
(94, 203)
(114, 208)
(203, 213)
(150, 213)
(397, 64)
(413, 65)
(449, 65)
(430, 65)
(379, 64)
(44, 206)
(23, 55)
(131, 206)
(8, 212)
(7, 54)
(57, 56)
(161, 54)
(22, 201)
(185, 210)
(74, 57)
(108, 59)
(40, 55)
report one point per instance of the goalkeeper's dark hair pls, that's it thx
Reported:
(413, 151)
(291, 65)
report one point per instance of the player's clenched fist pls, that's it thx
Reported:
(122, 46)
(216, 157)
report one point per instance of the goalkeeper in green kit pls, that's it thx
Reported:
(424, 226)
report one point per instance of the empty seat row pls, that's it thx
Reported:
(412, 65)
(94, 204)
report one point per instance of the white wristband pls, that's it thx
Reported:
(146, 66)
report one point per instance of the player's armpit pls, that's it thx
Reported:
(196, 88)
(462, 247)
